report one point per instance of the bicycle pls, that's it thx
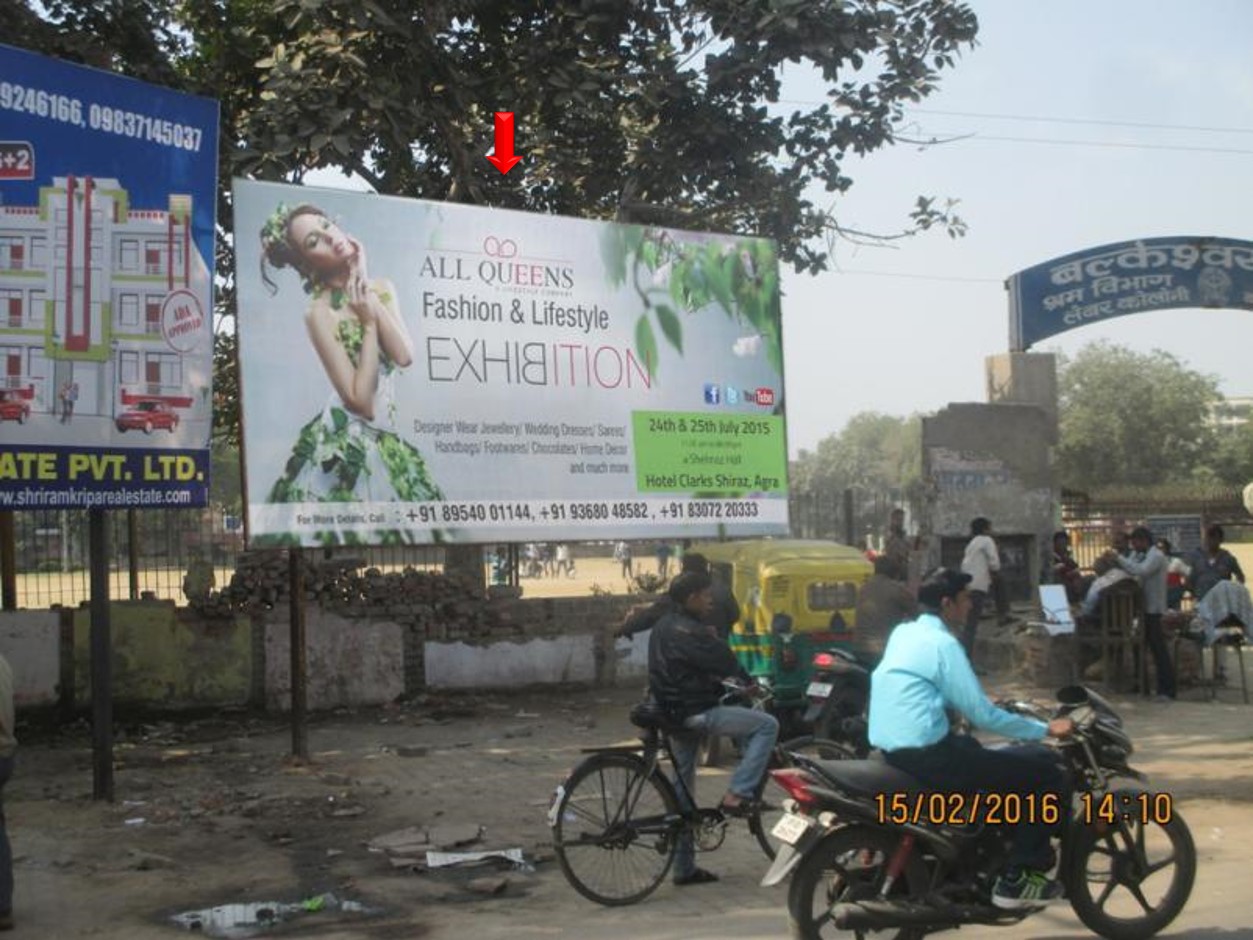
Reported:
(617, 819)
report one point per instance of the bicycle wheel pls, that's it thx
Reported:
(772, 795)
(616, 829)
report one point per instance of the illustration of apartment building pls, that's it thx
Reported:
(87, 286)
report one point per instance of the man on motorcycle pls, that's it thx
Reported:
(925, 670)
(686, 665)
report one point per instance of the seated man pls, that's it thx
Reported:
(1226, 602)
(924, 671)
(686, 665)
(1107, 574)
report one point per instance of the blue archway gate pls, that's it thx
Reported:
(1127, 277)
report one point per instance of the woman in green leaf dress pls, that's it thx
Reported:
(349, 452)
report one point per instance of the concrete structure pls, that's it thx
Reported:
(995, 460)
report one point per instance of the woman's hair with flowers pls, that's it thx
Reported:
(277, 248)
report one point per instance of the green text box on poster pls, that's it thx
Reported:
(696, 452)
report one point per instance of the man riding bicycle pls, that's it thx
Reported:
(686, 665)
(925, 670)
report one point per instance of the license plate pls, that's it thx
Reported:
(789, 829)
(819, 689)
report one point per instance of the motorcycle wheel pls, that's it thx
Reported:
(772, 795)
(849, 865)
(1130, 880)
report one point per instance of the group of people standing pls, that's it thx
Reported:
(1164, 579)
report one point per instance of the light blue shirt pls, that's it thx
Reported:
(924, 669)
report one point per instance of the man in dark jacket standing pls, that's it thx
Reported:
(723, 613)
(686, 666)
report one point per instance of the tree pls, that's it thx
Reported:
(1233, 456)
(662, 112)
(875, 452)
(1131, 418)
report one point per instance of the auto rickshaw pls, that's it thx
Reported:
(797, 597)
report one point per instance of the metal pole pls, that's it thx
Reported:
(101, 658)
(132, 551)
(850, 524)
(8, 562)
(299, 698)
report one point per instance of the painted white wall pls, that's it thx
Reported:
(31, 641)
(502, 665)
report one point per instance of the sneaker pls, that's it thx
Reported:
(1029, 889)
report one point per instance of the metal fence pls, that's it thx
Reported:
(150, 553)
(1093, 521)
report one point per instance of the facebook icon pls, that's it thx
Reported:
(713, 393)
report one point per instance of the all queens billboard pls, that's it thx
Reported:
(428, 372)
(107, 195)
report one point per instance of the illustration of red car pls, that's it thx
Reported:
(13, 407)
(147, 415)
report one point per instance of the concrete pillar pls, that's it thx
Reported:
(1017, 378)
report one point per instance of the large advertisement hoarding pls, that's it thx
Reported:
(107, 197)
(430, 372)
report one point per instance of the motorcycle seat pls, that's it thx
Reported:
(868, 777)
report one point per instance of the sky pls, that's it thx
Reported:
(907, 329)
(1129, 120)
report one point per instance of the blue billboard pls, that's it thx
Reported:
(107, 198)
(1128, 277)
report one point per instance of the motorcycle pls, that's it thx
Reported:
(1127, 861)
(838, 695)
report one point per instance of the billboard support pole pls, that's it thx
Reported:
(8, 562)
(299, 697)
(101, 658)
(132, 551)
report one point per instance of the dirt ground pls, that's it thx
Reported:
(212, 811)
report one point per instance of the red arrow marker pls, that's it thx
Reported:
(503, 158)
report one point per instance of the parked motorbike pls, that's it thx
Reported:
(838, 696)
(1127, 860)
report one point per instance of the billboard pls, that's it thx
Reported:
(107, 198)
(1128, 277)
(427, 372)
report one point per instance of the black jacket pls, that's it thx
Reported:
(687, 663)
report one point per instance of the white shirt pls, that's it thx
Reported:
(980, 561)
(1150, 569)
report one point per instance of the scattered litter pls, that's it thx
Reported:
(451, 835)
(488, 886)
(401, 842)
(348, 811)
(449, 859)
(134, 821)
(237, 921)
(332, 853)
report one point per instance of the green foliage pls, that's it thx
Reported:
(1132, 418)
(688, 274)
(1233, 456)
(653, 111)
(874, 452)
(646, 582)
